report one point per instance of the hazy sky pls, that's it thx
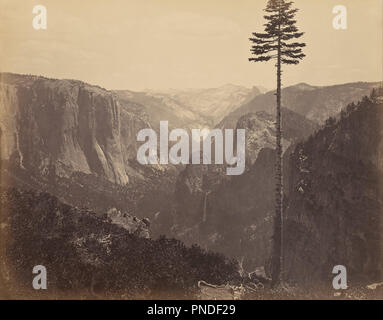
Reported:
(139, 44)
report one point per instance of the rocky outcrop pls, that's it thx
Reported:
(260, 131)
(130, 223)
(64, 126)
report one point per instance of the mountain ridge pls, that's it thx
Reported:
(317, 103)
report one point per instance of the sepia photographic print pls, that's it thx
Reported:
(191, 150)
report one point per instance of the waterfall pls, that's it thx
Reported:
(204, 206)
(21, 157)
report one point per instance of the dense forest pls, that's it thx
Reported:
(88, 255)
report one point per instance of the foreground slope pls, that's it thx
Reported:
(87, 256)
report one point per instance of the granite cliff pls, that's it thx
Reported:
(66, 126)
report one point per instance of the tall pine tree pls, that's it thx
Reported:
(278, 43)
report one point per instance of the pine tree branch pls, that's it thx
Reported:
(262, 41)
(293, 45)
(289, 61)
(291, 51)
(294, 56)
(289, 36)
(260, 59)
(262, 35)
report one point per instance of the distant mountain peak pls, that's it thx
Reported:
(303, 86)
(316, 103)
(231, 86)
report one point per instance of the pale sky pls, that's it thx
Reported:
(159, 44)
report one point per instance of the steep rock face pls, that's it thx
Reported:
(335, 198)
(66, 126)
(260, 131)
(193, 186)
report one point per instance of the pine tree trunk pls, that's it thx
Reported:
(279, 185)
(278, 227)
